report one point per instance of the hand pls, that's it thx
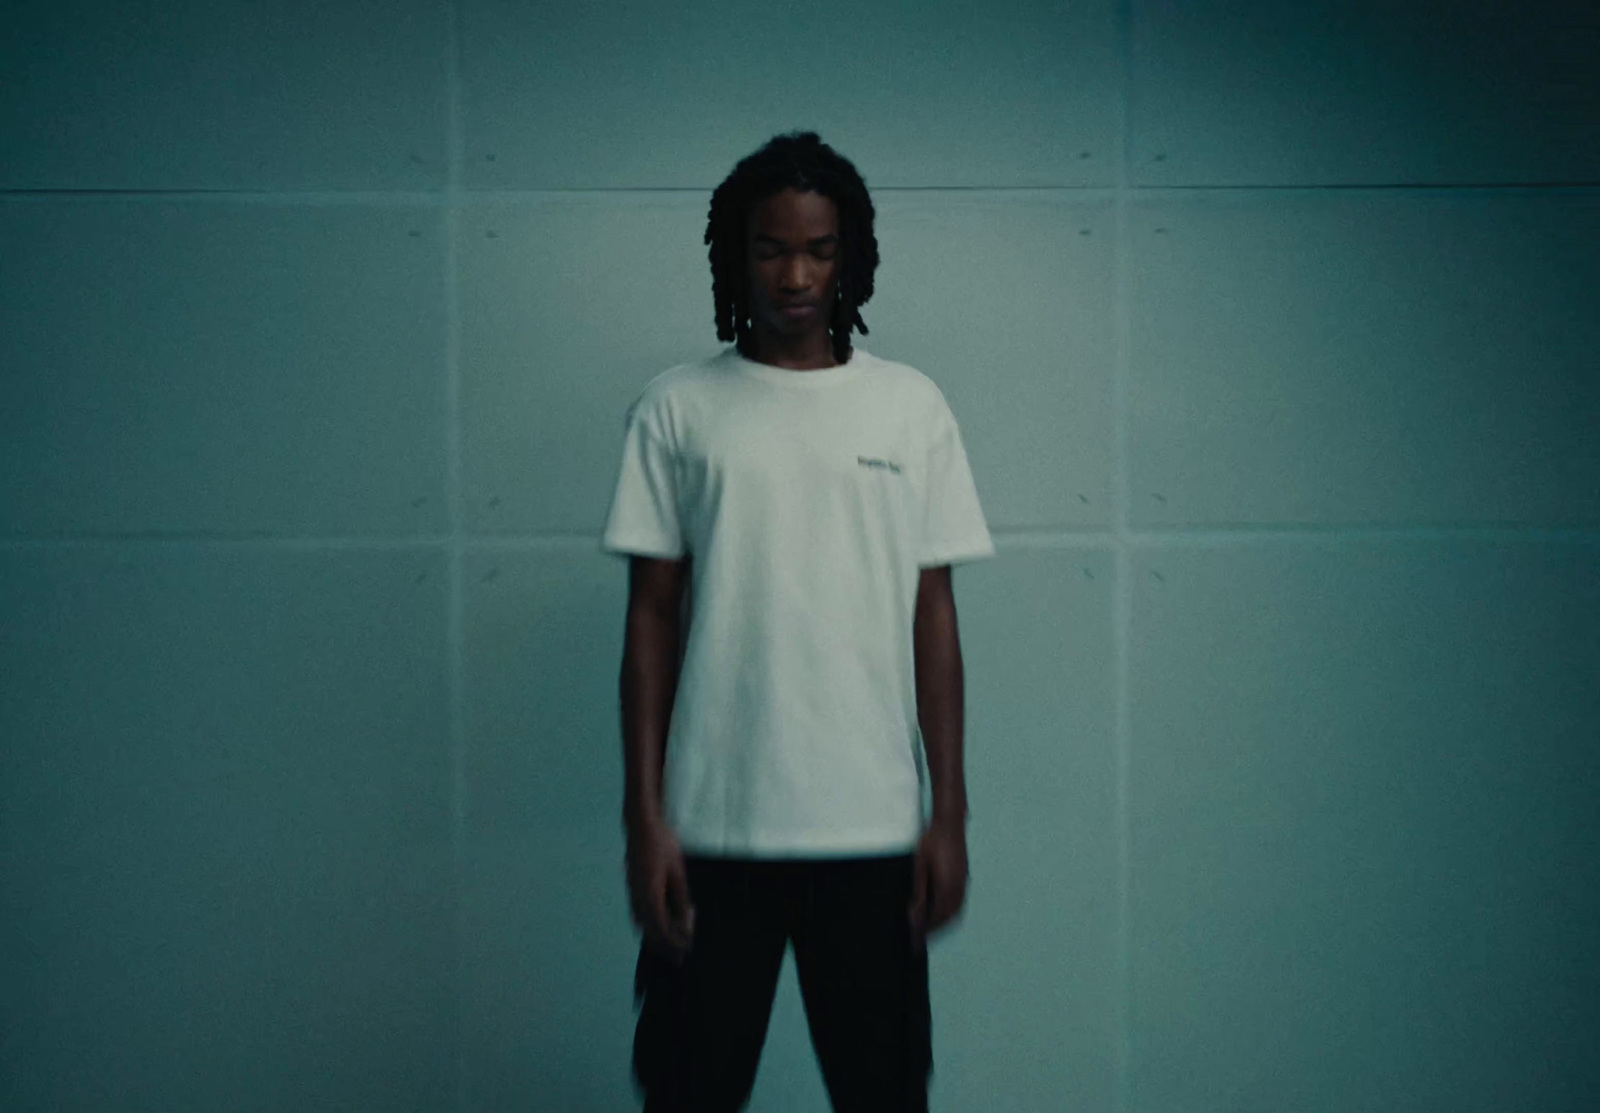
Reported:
(939, 879)
(658, 887)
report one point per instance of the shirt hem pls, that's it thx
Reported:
(865, 846)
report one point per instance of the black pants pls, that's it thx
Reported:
(863, 981)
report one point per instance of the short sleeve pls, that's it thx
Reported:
(953, 526)
(643, 518)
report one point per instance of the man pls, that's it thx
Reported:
(791, 507)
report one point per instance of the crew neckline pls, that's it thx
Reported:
(788, 376)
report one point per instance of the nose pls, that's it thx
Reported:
(796, 277)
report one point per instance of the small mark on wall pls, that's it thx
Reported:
(491, 574)
(1162, 499)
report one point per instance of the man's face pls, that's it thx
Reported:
(793, 256)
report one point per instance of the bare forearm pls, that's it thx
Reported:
(648, 691)
(941, 711)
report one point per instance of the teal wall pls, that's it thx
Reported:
(1271, 330)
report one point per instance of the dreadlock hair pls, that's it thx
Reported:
(797, 159)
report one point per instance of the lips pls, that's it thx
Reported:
(798, 309)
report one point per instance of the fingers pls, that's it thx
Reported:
(658, 910)
(681, 922)
(918, 911)
(660, 904)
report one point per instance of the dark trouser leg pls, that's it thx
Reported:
(699, 1036)
(865, 986)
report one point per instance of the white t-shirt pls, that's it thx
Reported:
(809, 501)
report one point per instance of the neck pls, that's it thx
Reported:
(810, 352)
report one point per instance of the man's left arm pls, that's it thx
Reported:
(937, 644)
(941, 874)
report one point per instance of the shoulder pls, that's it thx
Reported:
(912, 386)
(664, 392)
(917, 394)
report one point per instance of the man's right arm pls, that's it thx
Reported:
(649, 682)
